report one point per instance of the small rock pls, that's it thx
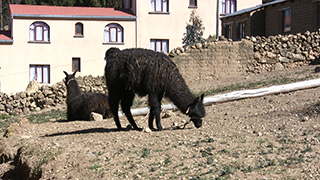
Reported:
(278, 67)
(96, 117)
(306, 118)
(198, 45)
(147, 130)
(33, 86)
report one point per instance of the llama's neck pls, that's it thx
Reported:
(73, 90)
(180, 95)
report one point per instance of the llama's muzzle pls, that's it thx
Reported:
(197, 122)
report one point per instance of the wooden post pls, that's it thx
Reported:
(1, 16)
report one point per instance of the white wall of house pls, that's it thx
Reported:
(172, 25)
(17, 58)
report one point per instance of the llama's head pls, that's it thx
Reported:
(111, 52)
(196, 111)
(69, 77)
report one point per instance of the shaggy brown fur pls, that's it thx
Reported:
(80, 105)
(146, 72)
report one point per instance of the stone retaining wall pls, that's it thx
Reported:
(38, 97)
(215, 59)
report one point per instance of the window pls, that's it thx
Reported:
(241, 30)
(39, 32)
(227, 31)
(159, 45)
(79, 29)
(113, 33)
(286, 16)
(40, 73)
(228, 6)
(76, 64)
(159, 5)
(193, 3)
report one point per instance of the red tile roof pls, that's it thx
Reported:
(18, 9)
(5, 35)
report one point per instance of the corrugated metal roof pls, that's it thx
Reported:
(18, 10)
(247, 10)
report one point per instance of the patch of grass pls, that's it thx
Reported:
(307, 149)
(145, 153)
(38, 118)
(5, 123)
(262, 141)
(167, 161)
(227, 170)
(4, 116)
(247, 169)
(94, 167)
(44, 158)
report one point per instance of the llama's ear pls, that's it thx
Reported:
(65, 73)
(74, 73)
(201, 97)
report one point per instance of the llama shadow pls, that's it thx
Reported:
(105, 130)
(85, 131)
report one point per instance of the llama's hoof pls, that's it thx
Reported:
(128, 128)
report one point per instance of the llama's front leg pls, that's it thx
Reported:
(151, 117)
(155, 110)
(126, 103)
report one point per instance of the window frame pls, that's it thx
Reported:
(33, 32)
(227, 10)
(241, 30)
(42, 66)
(108, 32)
(78, 60)
(161, 41)
(286, 23)
(81, 34)
(154, 10)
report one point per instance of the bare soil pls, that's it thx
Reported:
(271, 137)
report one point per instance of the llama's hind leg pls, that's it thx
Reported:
(126, 103)
(155, 110)
(151, 117)
(114, 105)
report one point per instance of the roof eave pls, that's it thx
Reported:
(248, 10)
(128, 18)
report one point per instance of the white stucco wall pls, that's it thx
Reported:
(172, 25)
(63, 46)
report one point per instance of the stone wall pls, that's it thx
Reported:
(213, 60)
(200, 63)
(40, 97)
(284, 51)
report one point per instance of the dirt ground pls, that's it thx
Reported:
(271, 137)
